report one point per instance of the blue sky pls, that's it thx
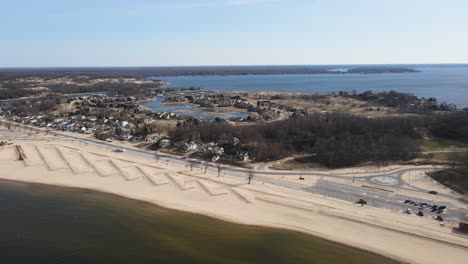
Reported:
(52, 33)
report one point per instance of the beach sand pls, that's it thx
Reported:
(407, 238)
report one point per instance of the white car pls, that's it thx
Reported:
(408, 211)
(118, 149)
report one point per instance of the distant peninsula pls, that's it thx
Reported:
(142, 72)
(374, 70)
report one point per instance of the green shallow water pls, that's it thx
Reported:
(46, 224)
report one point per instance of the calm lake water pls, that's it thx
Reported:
(187, 109)
(448, 83)
(45, 224)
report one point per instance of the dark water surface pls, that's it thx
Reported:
(447, 83)
(45, 224)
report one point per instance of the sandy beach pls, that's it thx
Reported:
(407, 238)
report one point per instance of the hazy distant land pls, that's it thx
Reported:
(128, 72)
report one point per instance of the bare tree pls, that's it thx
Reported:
(206, 165)
(250, 175)
(159, 128)
(452, 159)
(220, 168)
(459, 159)
(191, 164)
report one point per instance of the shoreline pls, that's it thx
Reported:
(268, 207)
(379, 85)
(211, 216)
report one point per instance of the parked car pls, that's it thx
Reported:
(361, 202)
(420, 213)
(118, 150)
(442, 207)
(439, 218)
(408, 211)
(407, 201)
(433, 192)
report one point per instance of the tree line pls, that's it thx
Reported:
(137, 72)
(334, 140)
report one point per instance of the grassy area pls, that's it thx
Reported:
(439, 157)
(440, 143)
(455, 179)
(237, 163)
(173, 151)
(296, 164)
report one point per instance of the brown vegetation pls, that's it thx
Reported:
(337, 140)
(455, 176)
(334, 139)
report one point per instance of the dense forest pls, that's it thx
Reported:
(11, 93)
(333, 140)
(125, 89)
(14, 90)
(336, 139)
(451, 126)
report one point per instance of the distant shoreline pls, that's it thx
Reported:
(354, 65)
(446, 84)
(145, 72)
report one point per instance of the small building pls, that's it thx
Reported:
(164, 143)
(217, 151)
(189, 146)
(243, 156)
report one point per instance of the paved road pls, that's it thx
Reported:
(382, 199)
(65, 96)
(323, 187)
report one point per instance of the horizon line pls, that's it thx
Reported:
(226, 65)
